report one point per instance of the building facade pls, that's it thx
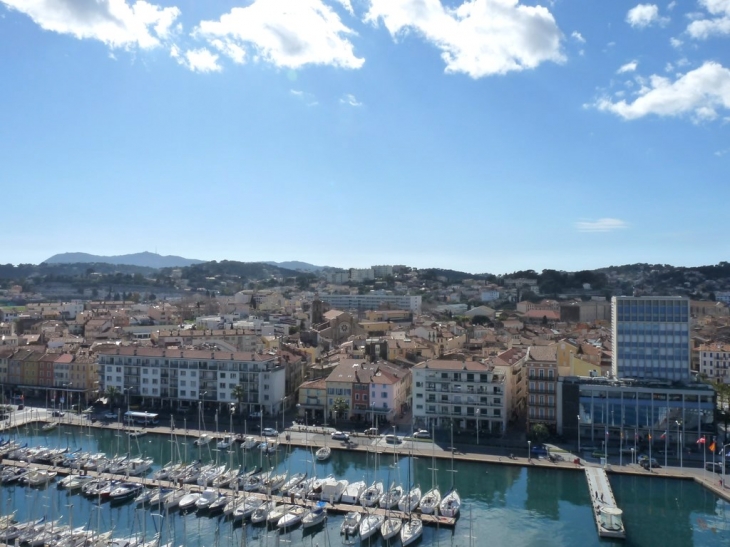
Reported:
(542, 377)
(715, 362)
(622, 411)
(165, 377)
(651, 338)
(372, 301)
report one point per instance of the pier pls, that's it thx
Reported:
(339, 508)
(605, 510)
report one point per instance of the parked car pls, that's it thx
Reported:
(255, 415)
(392, 439)
(647, 464)
(422, 434)
(340, 436)
(270, 432)
(57, 414)
(371, 431)
(110, 416)
(716, 467)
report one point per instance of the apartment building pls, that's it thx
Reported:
(651, 337)
(243, 340)
(715, 362)
(470, 394)
(541, 366)
(373, 301)
(167, 377)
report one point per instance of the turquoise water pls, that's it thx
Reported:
(502, 505)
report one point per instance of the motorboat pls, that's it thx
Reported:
(370, 524)
(391, 527)
(189, 500)
(261, 513)
(332, 490)
(301, 490)
(371, 495)
(93, 487)
(144, 497)
(411, 531)
(293, 517)
(225, 443)
(157, 496)
(105, 492)
(352, 493)
(225, 478)
(317, 484)
(203, 440)
(269, 447)
(208, 496)
(138, 433)
(167, 471)
(323, 454)
(14, 531)
(252, 483)
(315, 516)
(430, 502)
(410, 500)
(391, 498)
(249, 443)
(125, 491)
(139, 466)
(450, 504)
(278, 511)
(50, 426)
(11, 474)
(292, 482)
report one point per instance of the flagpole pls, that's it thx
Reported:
(649, 452)
(621, 447)
(636, 435)
(704, 457)
(666, 447)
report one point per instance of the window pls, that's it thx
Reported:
(222, 385)
(357, 396)
(155, 391)
(419, 395)
(182, 393)
(145, 371)
(541, 374)
(385, 405)
(192, 393)
(384, 394)
(183, 383)
(119, 379)
(183, 373)
(221, 375)
(108, 378)
(266, 397)
(193, 373)
(119, 369)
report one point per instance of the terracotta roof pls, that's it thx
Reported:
(187, 354)
(444, 364)
(543, 353)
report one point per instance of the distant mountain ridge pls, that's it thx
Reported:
(145, 259)
(297, 265)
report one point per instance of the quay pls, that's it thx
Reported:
(339, 508)
(605, 510)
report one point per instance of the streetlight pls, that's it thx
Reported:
(477, 415)
(579, 435)
(283, 413)
(679, 442)
(529, 451)
(724, 459)
(306, 425)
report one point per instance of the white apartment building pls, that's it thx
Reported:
(382, 271)
(715, 362)
(169, 377)
(358, 275)
(489, 295)
(372, 301)
(723, 296)
(471, 393)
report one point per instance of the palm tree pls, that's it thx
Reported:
(111, 393)
(239, 393)
(340, 406)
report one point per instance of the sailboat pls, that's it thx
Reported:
(429, 503)
(451, 503)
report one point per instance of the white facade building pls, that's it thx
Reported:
(382, 271)
(715, 362)
(170, 377)
(489, 295)
(372, 301)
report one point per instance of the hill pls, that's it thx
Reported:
(146, 260)
(297, 265)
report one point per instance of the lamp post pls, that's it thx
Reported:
(477, 415)
(679, 442)
(529, 451)
(306, 425)
(68, 385)
(127, 390)
(283, 413)
(724, 459)
(579, 435)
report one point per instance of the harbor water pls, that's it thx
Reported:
(501, 504)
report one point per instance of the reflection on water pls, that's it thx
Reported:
(503, 505)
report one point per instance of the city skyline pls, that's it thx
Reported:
(475, 135)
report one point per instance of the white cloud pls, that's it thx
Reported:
(676, 42)
(350, 100)
(113, 22)
(479, 37)
(578, 37)
(202, 60)
(308, 98)
(702, 28)
(644, 15)
(285, 33)
(628, 67)
(698, 93)
(601, 225)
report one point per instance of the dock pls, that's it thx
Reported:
(605, 510)
(339, 508)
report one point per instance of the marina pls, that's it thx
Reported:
(496, 498)
(605, 510)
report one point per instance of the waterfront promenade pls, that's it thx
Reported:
(314, 437)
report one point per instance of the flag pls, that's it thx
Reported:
(649, 436)
(663, 435)
(701, 440)
(606, 432)
(636, 434)
(712, 446)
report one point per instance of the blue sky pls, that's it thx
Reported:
(482, 135)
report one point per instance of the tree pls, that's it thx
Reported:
(340, 406)
(239, 393)
(539, 432)
(111, 393)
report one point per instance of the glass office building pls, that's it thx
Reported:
(651, 338)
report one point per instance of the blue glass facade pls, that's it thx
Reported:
(651, 338)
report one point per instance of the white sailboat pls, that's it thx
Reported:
(451, 502)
